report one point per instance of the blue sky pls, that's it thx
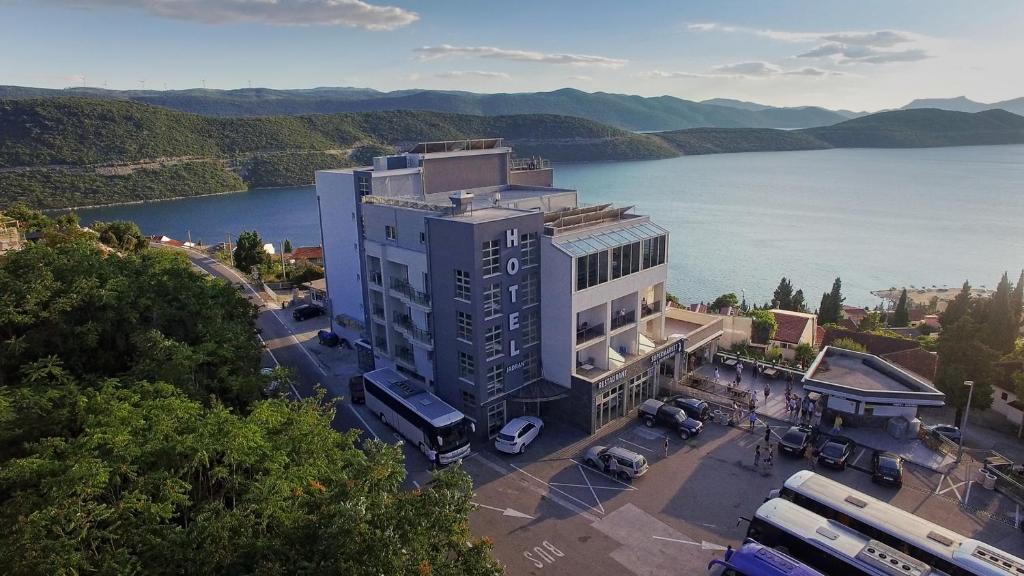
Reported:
(864, 55)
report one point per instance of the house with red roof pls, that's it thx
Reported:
(308, 255)
(794, 329)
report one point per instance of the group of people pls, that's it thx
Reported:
(764, 459)
(800, 410)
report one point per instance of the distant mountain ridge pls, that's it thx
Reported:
(964, 104)
(629, 112)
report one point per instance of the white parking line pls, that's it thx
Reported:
(857, 459)
(621, 439)
(613, 479)
(563, 492)
(589, 485)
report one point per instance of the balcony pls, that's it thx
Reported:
(376, 279)
(650, 309)
(623, 319)
(378, 313)
(587, 333)
(405, 325)
(404, 354)
(411, 294)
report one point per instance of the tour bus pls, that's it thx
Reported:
(438, 430)
(828, 546)
(939, 547)
(755, 559)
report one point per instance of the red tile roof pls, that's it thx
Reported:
(308, 253)
(791, 327)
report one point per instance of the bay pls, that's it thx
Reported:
(739, 222)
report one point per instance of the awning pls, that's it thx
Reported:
(539, 391)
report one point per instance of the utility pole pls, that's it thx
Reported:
(963, 423)
(284, 270)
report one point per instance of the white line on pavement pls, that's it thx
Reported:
(621, 439)
(613, 479)
(677, 540)
(569, 485)
(416, 484)
(589, 485)
(859, 455)
(530, 486)
(276, 363)
(505, 511)
(563, 492)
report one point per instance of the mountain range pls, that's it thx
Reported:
(964, 104)
(629, 112)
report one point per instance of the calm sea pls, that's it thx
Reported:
(739, 222)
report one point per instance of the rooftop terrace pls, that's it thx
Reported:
(837, 370)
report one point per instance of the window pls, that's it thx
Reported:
(527, 294)
(495, 419)
(390, 233)
(495, 380)
(531, 367)
(467, 367)
(463, 326)
(423, 237)
(492, 342)
(463, 289)
(529, 325)
(528, 249)
(364, 185)
(468, 401)
(492, 301)
(1003, 396)
(654, 252)
(591, 270)
(492, 257)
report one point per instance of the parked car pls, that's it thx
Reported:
(517, 434)
(694, 408)
(327, 338)
(306, 311)
(887, 468)
(835, 452)
(357, 390)
(796, 440)
(657, 412)
(273, 387)
(951, 433)
(628, 463)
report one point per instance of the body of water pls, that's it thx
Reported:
(739, 222)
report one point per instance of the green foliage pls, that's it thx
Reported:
(121, 235)
(871, 322)
(306, 273)
(799, 302)
(291, 168)
(901, 315)
(803, 354)
(963, 356)
(286, 246)
(696, 141)
(248, 252)
(763, 326)
(1000, 319)
(830, 311)
(729, 299)
(672, 298)
(848, 344)
(773, 354)
(783, 296)
(1017, 300)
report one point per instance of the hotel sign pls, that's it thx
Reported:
(512, 268)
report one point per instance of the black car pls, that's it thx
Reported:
(327, 338)
(796, 440)
(307, 311)
(656, 412)
(694, 408)
(835, 452)
(887, 468)
(951, 433)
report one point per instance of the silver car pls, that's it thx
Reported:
(628, 464)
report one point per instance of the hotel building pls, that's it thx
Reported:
(469, 271)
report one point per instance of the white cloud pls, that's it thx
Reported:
(747, 69)
(581, 78)
(912, 55)
(471, 74)
(742, 70)
(445, 50)
(878, 38)
(851, 54)
(352, 13)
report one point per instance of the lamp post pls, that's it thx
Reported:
(963, 423)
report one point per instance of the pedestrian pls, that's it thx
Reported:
(666, 445)
(716, 375)
(767, 434)
(739, 367)
(768, 459)
(612, 468)
(752, 419)
(813, 457)
(767, 391)
(757, 455)
(837, 424)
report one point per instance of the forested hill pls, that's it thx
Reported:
(621, 110)
(917, 128)
(75, 152)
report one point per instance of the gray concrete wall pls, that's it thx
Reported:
(545, 177)
(464, 172)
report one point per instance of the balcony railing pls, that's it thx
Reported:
(522, 164)
(405, 354)
(378, 312)
(376, 279)
(413, 295)
(405, 323)
(652, 308)
(587, 333)
(620, 319)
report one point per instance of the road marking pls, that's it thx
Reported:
(676, 540)
(505, 511)
(547, 552)
(276, 363)
(704, 544)
(613, 479)
(553, 497)
(857, 459)
(563, 492)
(416, 484)
(568, 485)
(952, 486)
(591, 486)
(621, 439)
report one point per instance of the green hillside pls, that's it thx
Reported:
(74, 151)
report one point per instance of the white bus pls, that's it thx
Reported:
(941, 548)
(826, 545)
(438, 430)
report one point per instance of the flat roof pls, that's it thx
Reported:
(850, 373)
(488, 214)
(415, 395)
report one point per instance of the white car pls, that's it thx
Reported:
(517, 434)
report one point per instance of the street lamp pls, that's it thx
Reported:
(963, 423)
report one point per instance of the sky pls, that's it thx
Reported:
(859, 55)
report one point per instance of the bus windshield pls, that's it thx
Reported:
(452, 436)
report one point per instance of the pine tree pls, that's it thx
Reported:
(1017, 299)
(901, 316)
(831, 308)
(799, 303)
(959, 307)
(287, 246)
(783, 297)
(999, 329)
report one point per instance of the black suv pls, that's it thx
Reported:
(694, 408)
(656, 412)
(307, 311)
(835, 452)
(887, 468)
(796, 440)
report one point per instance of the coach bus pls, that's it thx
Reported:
(755, 559)
(438, 430)
(828, 546)
(939, 547)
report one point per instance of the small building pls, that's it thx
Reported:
(854, 314)
(794, 329)
(307, 255)
(867, 388)
(1009, 405)
(10, 236)
(316, 291)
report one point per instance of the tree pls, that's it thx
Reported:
(831, 308)
(901, 315)
(1000, 320)
(799, 302)
(848, 344)
(958, 308)
(1017, 300)
(120, 235)
(286, 247)
(783, 296)
(728, 299)
(871, 321)
(963, 356)
(803, 354)
(763, 325)
(249, 251)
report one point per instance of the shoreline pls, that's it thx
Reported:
(134, 202)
